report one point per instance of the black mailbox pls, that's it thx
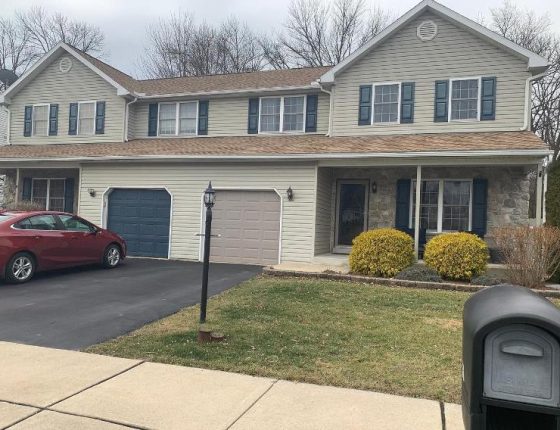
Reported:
(511, 361)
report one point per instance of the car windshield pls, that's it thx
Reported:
(5, 217)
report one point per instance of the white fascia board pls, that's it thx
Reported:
(296, 157)
(44, 61)
(226, 92)
(535, 62)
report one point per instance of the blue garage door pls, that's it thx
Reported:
(142, 218)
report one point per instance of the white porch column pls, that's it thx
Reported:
(417, 211)
(16, 188)
(539, 198)
(545, 188)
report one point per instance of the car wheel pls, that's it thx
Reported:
(20, 268)
(112, 256)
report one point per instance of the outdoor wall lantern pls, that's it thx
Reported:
(290, 193)
(209, 197)
(374, 187)
(91, 192)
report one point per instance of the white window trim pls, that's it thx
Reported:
(177, 117)
(48, 203)
(48, 118)
(94, 117)
(440, 203)
(281, 129)
(377, 84)
(479, 79)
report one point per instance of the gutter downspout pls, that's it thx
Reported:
(331, 106)
(527, 122)
(126, 115)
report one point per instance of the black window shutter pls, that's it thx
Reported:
(479, 206)
(364, 114)
(53, 120)
(69, 195)
(488, 99)
(26, 191)
(311, 113)
(100, 118)
(253, 120)
(407, 102)
(203, 117)
(27, 120)
(402, 212)
(73, 119)
(152, 119)
(441, 101)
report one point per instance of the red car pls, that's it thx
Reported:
(45, 240)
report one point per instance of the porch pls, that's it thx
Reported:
(454, 197)
(46, 188)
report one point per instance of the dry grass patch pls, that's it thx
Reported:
(394, 340)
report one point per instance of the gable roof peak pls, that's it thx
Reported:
(535, 63)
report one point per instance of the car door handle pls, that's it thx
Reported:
(37, 237)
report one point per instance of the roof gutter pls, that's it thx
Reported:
(302, 157)
(226, 92)
(331, 104)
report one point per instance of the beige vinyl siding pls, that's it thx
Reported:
(323, 214)
(454, 53)
(186, 183)
(79, 84)
(227, 116)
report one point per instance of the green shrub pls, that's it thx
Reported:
(486, 280)
(419, 272)
(457, 256)
(382, 252)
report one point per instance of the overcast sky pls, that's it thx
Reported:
(124, 21)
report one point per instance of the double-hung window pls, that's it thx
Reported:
(86, 118)
(282, 114)
(178, 118)
(386, 103)
(48, 193)
(40, 120)
(445, 205)
(464, 99)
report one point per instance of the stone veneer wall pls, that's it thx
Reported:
(508, 190)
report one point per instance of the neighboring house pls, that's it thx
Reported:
(434, 98)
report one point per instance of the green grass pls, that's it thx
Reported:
(393, 340)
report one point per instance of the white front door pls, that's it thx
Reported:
(351, 212)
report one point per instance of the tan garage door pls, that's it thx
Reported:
(249, 225)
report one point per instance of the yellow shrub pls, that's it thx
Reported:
(382, 252)
(457, 256)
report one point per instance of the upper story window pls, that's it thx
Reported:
(465, 99)
(86, 118)
(282, 114)
(178, 118)
(40, 125)
(386, 99)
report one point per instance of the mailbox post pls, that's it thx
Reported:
(511, 361)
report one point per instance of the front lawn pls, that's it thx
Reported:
(394, 340)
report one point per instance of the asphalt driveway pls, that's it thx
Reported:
(72, 309)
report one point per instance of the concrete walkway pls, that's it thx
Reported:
(42, 388)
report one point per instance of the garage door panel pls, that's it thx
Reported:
(142, 217)
(249, 225)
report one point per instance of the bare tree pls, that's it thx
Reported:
(180, 47)
(46, 30)
(317, 33)
(533, 32)
(15, 53)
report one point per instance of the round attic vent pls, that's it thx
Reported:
(427, 30)
(65, 65)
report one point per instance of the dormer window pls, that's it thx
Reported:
(178, 118)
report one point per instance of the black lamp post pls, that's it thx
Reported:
(209, 200)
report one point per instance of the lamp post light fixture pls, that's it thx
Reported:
(290, 194)
(209, 200)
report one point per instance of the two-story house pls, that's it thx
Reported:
(435, 109)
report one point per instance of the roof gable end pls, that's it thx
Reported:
(535, 63)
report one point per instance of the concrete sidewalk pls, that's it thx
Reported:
(42, 388)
